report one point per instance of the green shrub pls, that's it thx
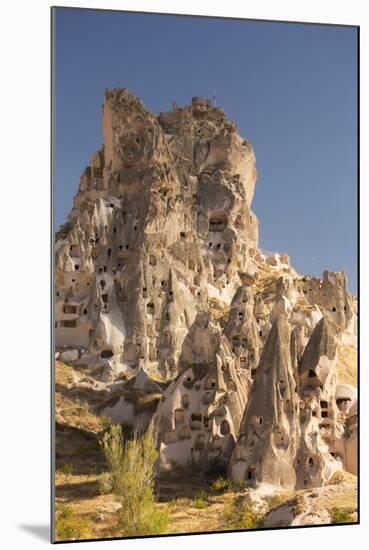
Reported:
(200, 501)
(221, 484)
(200, 504)
(342, 515)
(106, 483)
(241, 514)
(69, 526)
(106, 421)
(66, 469)
(131, 469)
(240, 485)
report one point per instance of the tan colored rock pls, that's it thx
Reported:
(270, 430)
(200, 413)
(159, 278)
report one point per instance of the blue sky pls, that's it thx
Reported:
(291, 88)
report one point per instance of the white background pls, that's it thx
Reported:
(25, 268)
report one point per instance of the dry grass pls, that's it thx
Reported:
(338, 496)
(219, 310)
(347, 364)
(78, 426)
(341, 477)
(180, 499)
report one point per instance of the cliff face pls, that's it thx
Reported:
(162, 217)
(159, 275)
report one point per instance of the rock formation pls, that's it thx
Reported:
(270, 429)
(199, 416)
(163, 293)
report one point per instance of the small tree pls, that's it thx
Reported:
(131, 468)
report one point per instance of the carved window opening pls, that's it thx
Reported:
(207, 420)
(210, 383)
(105, 298)
(218, 222)
(69, 309)
(68, 323)
(150, 308)
(312, 373)
(106, 354)
(224, 427)
(334, 309)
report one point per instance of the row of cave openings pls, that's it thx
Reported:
(198, 421)
(309, 290)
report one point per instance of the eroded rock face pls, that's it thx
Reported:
(303, 409)
(159, 278)
(163, 210)
(270, 429)
(199, 415)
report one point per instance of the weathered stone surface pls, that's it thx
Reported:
(162, 291)
(199, 415)
(270, 429)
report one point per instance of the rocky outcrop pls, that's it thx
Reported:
(199, 415)
(270, 429)
(162, 212)
(163, 293)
